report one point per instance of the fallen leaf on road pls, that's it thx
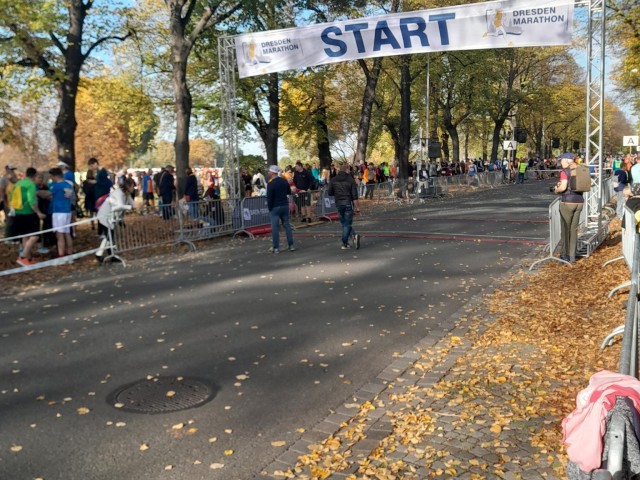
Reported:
(279, 443)
(216, 466)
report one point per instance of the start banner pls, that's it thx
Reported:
(500, 24)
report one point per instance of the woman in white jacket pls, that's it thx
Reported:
(111, 211)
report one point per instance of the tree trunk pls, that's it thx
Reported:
(183, 121)
(273, 127)
(368, 98)
(404, 135)
(455, 143)
(64, 129)
(452, 130)
(322, 130)
(495, 142)
(444, 141)
(466, 142)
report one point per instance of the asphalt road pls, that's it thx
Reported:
(284, 338)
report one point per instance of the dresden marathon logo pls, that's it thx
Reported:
(263, 52)
(501, 23)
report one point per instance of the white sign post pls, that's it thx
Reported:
(510, 145)
(630, 141)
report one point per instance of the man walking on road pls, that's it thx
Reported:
(278, 191)
(343, 188)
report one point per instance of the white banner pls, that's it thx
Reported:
(501, 24)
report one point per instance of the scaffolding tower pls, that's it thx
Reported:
(596, 229)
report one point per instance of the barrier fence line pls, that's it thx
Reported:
(40, 232)
(618, 455)
(185, 223)
(49, 263)
(616, 431)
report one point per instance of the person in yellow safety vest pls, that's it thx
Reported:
(522, 168)
(617, 164)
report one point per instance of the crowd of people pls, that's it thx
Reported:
(32, 205)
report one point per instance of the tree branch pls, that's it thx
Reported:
(57, 43)
(187, 15)
(200, 26)
(105, 39)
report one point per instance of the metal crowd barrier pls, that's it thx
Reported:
(326, 206)
(136, 231)
(299, 200)
(618, 453)
(251, 215)
(204, 219)
(554, 235)
(629, 239)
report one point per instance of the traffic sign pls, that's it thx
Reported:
(510, 145)
(630, 141)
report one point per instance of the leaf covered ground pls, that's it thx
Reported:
(496, 410)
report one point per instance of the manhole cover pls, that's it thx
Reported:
(162, 395)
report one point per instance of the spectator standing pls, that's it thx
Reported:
(62, 196)
(471, 172)
(634, 172)
(110, 213)
(302, 181)
(245, 180)
(103, 181)
(7, 181)
(167, 187)
(522, 168)
(332, 171)
(258, 182)
(369, 177)
(343, 188)
(147, 190)
(278, 191)
(44, 202)
(571, 204)
(620, 181)
(616, 164)
(191, 192)
(27, 217)
(89, 191)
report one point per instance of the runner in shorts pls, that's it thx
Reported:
(27, 217)
(62, 195)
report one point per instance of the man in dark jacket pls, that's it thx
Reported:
(278, 191)
(167, 188)
(302, 180)
(191, 192)
(345, 191)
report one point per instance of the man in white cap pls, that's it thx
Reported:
(278, 191)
